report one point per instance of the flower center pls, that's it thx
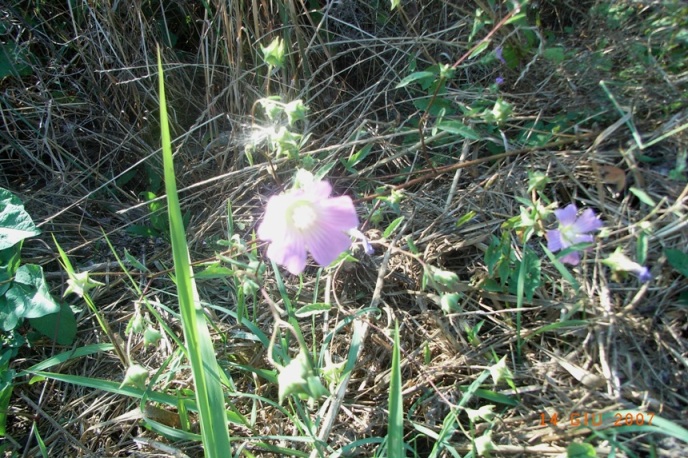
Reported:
(303, 216)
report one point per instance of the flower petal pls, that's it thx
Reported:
(575, 239)
(587, 222)
(273, 226)
(567, 215)
(326, 245)
(318, 190)
(555, 242)
(571, 258)
(644, 274)
(289, 252)
(339, 213)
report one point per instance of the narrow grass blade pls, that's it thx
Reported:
(395, 425)
(209, 396)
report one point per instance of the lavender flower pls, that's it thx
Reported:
(572, 230)
(307, 219)
(619, 262)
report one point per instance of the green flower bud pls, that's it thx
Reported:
(297, 377)
(484, 413)
(450, 302)
(151, 336)
(273, 54)
(484, 444)
(500, 371)
(295, 111)
(80, 284)
(136, 324)
(136, 376)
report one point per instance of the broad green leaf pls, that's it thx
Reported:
(28, 297)
(60, 326)
(416, 76)
(15, 223)
(357, 157)
(678, 260)
(459, 128)
(13, 60)
(394, 4)
(9, 263)
(273, 54)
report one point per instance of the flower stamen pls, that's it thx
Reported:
(303, 216)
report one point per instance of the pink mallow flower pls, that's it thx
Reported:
(307, 219)
(572, 230)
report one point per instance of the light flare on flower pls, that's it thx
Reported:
(307, 219)
(572, 230)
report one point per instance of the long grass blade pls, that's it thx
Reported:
(395, 425)
(209, 396)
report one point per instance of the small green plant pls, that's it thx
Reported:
(24, 295)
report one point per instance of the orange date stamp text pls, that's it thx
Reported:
(596, 419)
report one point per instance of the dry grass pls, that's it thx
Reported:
(80, 146)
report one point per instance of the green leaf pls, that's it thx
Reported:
(6, 388)
(464, 219)
(479, 49)
(357, 157)
(15, 223)
(395, 424)
(459, 128)
(578, 450)
(60, 326)
(423, 77)
(134, 262)
(392, 226)
(651, 423)
(493, 396)
(28, 297)
(643, 196)
(312, 309)
(9, 263)
(678, 260)
(394, 4)
(200, 351)
(13, 60)
(214, 271)
(554, 55)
